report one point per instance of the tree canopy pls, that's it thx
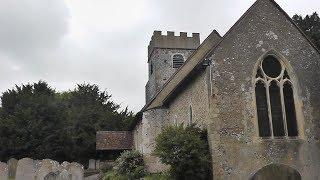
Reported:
(310, 24)
(38, 122)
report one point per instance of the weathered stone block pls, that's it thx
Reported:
(12, 165)
(3, 171)
(76, 170)
(49, 169)
(26, 169)
(92, 164)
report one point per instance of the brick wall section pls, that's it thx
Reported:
(114, 140)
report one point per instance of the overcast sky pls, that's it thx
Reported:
(104, 42)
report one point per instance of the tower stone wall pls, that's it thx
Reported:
(161, 50)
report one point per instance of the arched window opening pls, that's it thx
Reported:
(276, 109)
(290, 109)
(275, 105)
(262, 108)
(178, 60)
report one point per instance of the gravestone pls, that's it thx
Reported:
(26, 169)
(76, 171)
(3, 171)
(98, 164)
(65, 165)
(37, 164)
(64, 175)
(12, 165)
(92, 164)
(48, 167)
(52, 176)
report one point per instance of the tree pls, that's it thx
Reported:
(90, 110)
(186, 150)
(31, 121)
(310, 25)
(38, 122)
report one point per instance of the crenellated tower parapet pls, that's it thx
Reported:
(171, 41)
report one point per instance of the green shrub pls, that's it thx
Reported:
(158, 177)
(130, 164)
(111, 176)
(186, 150)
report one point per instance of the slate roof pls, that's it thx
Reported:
(114, 140)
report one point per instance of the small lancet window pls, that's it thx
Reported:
(177, 60)
(262, 108)
(276, 110)
(290, 109)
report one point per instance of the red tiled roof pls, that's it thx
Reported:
(114, 140)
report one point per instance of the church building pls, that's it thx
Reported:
(255, 90)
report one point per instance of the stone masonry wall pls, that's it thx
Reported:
(161, 60)
(237, 150)
(153, 121)
(194, 95)
(151, 125)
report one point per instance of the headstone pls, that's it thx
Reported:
(76, 171)
(48, 166)
(3, 171)
(37, 164)
(26, 169)
(52, 176)
(65, 165)
(98, 164)
(12, 165)
(92, 164)
(64, 175)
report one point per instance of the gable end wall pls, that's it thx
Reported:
(237, 150)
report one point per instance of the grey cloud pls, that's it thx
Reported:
(35, 42)
(29, 26)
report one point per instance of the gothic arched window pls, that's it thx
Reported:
(274, 96)
(177, 60)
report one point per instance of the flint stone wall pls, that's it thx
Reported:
(238, 151)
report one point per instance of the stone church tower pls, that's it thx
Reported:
(166, 54)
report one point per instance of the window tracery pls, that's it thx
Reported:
(274, 95)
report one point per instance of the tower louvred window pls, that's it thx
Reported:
(178, 60)
(275, 106)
